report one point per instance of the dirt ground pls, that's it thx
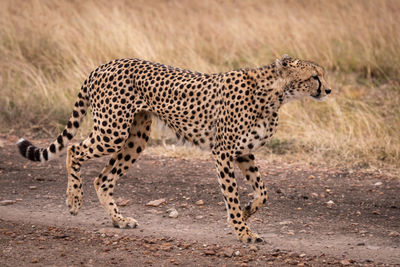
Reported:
(315, 216)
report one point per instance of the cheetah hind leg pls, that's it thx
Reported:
(119, 165)
(77, 154)
(74, 189)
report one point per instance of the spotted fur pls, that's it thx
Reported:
(232, 114)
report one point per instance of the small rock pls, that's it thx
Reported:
(123, 202)
(237, 253)
(394, 234)
(154, 211)
(156, 203)
(228, 252)
(173, 214)
(200, 202)
(361, 244)
(209, 252)
(330, 203)
(378, 183)
(302, 255)
(253, 248)
(199, 217)
(345, 262)
(7, 202)
(32, 187)
(106, 232)
(35, 260)
(285, 223)
(311, 177)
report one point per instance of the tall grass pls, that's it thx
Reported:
(47, 48)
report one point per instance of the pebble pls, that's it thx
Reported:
(228, 252)
(154, 211)
(7, 202)
(394, 234)
(123, 202)
(237, 253)
(378, 183)
(156, 203)
(330, 203)
(200, 202)
(199, 217)
(32, 187)
(173, 214)
(285, 223)
(209, 252)
(253, 248)
(345, 262)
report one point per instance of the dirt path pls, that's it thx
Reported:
(300, 223)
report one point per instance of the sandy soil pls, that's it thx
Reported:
(314, 216)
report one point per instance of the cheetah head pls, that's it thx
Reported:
(302, 78)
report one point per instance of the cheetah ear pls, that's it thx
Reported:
(278, 64)
(282, 63)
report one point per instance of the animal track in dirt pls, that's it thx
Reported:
(314, 215)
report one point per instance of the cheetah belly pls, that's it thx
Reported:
(200, 133)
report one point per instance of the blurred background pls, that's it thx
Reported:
(47, 49)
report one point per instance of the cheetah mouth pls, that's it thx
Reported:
(318, 94)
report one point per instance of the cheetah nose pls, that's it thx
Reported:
(328, 91)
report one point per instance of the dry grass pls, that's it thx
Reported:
(47, 48)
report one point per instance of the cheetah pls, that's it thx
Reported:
(232, 114)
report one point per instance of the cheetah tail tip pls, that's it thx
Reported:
(21, 140)
(23, 145)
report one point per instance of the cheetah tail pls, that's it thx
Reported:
(31, 152)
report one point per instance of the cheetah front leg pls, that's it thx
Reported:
(227, 182)
(250, 171)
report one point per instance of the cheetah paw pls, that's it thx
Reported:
(74, 204)
(127, 222)
(250, 238)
